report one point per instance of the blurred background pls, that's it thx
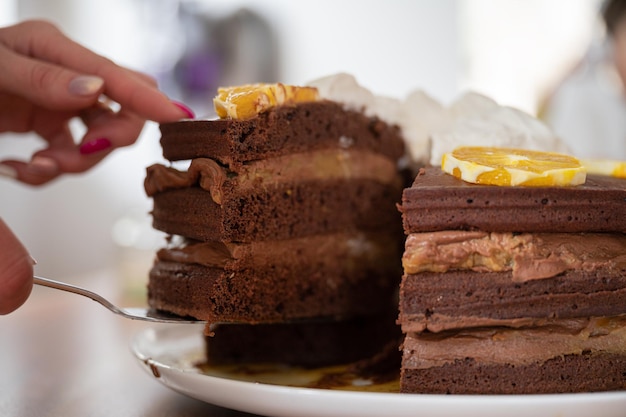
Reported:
(517, 52)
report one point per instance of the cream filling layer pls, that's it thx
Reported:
(323, 164)
(349, 247)
(517, 346)
(437, 323)
(528, 256)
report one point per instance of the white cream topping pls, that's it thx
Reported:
(477, 120)
(432, 129)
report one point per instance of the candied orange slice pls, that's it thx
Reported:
(609, 167)
(507, 166)
(246, 101)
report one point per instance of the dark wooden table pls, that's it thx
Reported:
(64, 355)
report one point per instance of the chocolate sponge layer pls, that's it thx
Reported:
(278, 212)
(566, 374)
(439, 201)
(457, 299)
(273, 292)
(280, 131)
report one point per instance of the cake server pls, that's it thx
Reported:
(134, 313)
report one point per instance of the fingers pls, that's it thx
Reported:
(16, 271)
(45, 84)
(42, 169)
(43, 47)
(57, 79)
(106, 131)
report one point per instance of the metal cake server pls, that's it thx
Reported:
(135, 313)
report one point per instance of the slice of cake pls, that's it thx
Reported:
(285, 214)
(513, 289)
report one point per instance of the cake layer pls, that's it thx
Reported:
(576, 356)
(315, 288)
(438, 201)
(307, 344)
(460, 299)
(292, 129)
(287, 210)
(527, 255)
(563, 374)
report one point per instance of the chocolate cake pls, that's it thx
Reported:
(511, 290)
(282, 218)
(309, 344)
(285, 216)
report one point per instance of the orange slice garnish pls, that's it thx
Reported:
(507, 167)
(609, 167)
(246, 101)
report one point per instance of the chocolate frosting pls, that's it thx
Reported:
(321, 164)
(202, 171)
(517, 346)
(529, 256)
(212, 254)
(217, 254)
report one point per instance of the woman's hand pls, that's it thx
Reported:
(46, 79)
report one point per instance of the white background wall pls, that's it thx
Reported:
(508, 49)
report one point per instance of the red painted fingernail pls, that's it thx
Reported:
(94, 146)
(187, 110)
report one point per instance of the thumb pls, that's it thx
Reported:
(16, 271)
(46, 84)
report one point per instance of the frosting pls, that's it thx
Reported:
(202, 171)
(528, 256)
(475, 120)
(213, 254)
(322, 164)
(356, 246)
(438, 322)
(517, 346)
(432, 129)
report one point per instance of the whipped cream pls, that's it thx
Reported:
(432, 129)
(477, 120)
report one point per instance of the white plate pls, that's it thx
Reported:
(168, 353)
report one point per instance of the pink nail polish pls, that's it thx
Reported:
(7, 171)
(85, 85)
(93, 146)
(43, 165)
(184, 108)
